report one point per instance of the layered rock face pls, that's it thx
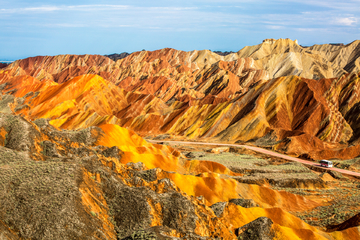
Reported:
(345, 57)
(285, 57)
(201, 94)
(73, 167)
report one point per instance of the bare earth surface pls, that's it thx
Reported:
(264, 151)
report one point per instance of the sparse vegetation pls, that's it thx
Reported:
(346, 164)
(232, 159)
(261, 171)
(344, 202)
(38, 197)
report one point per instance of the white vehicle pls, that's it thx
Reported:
(326, 163)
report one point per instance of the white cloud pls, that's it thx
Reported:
(348, 5)
(116, 26)
(176, 17)
(172, 8)
(307, 29)
(66, 25)
(96, 7)
(30, 9)
(40, 9)
(274, 27)
(345, 21)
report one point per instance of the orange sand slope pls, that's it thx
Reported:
(214, 189)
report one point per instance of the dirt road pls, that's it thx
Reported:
(261, 150)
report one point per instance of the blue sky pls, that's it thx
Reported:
(51, 27)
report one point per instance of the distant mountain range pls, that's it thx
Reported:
(3, 64)
(117, 56)
(255, 94)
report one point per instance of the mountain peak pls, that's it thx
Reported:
(286, 40)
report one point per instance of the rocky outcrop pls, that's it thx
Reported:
(223, 53)
(117, 56)
(218, 208)
(3, 65)
(350, 223)
(59, 68)
(259, 229)
(285, 57)
(345, 57)
(246, 203)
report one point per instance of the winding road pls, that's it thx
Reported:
(264, 151)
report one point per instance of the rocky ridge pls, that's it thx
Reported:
(322, 125)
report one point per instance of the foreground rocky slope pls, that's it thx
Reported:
(108, 183)
(63, 184)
